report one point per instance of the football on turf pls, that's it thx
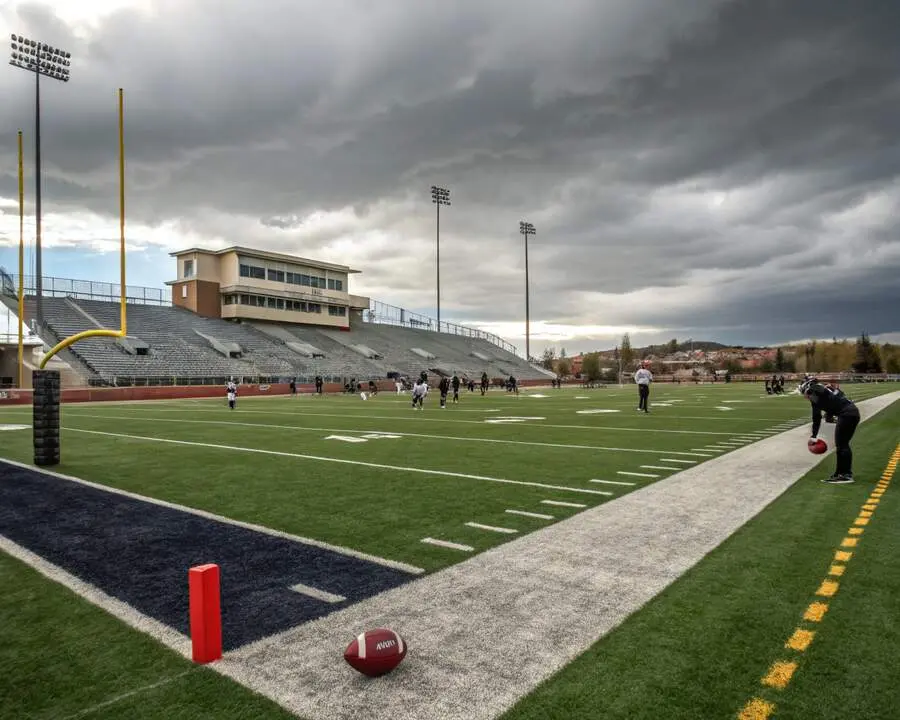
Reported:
(375, 652)
(817, 447)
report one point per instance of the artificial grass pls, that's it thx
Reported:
(701, 647)
(62, 658)
(698, 650)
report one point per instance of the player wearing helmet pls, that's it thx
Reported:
(839, 409)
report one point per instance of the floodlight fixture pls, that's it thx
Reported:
(54, 63)
(526, 229)
(439, 196)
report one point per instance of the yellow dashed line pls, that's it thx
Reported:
(781, 671)
(757, 709)
(828, 588)
(800, 640)
(815, 612)
(779, 674)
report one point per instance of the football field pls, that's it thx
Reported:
(316, 506)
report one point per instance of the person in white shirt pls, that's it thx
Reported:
(420, 390)
(643, 377)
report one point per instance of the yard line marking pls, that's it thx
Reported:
(404, 417)
(492, 528)
(448, 544)
(560, 503)
(676, 460)
(380, 466)
(614, 482)
(317, 594)
(160, 632)
(402, 434)
(636, 474)
(539, 516)
(696, 453)
(659, 467)
(124, 696)
(397, 565)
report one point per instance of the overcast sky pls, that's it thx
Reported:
(722, 169)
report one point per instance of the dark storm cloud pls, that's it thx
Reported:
(688, 163)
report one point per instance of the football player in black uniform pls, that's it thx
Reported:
(839, 409)
(454, 383)
(444, 387)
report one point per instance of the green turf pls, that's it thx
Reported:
(357, 505)
(60, 657)
(700, 648)
(697, 651)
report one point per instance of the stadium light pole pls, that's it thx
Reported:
(51, 62)
(439, 196)
(526, 229)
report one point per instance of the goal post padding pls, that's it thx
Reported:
(46, 384)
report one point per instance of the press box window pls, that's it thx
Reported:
(251, 271)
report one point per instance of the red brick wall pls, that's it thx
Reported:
(78, 395)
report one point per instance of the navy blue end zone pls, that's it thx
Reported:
(140, 552)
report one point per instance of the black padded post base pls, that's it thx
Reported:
(46, 417)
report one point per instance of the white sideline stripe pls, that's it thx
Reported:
(647, 545)
(367, 432)
(94, 595)
(675, 460)
(637, 474)
(539, 516)
(448, 544)
(660, 467)
(229, 521)
(508, 531)
(443, 419)
(614, 482)
(317, 594)
(380, 466)
(124, 696)
(560, 503)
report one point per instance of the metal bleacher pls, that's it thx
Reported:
(180, 347)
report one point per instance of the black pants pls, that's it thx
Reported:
(643, 395)
(843, 433)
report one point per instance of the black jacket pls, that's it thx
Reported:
(828, 400)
